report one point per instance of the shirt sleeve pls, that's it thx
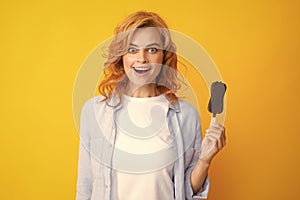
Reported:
(85, 177)
(203, 193)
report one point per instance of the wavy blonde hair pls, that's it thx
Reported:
(115, 79)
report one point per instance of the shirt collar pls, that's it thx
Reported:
(114, 100)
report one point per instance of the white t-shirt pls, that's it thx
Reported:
(143, 155)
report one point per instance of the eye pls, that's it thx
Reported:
(132, 50)
(152, 50)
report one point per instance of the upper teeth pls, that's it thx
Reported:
(141, 68)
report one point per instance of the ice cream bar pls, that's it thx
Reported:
(215, 105)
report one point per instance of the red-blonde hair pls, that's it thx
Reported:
(115, 79)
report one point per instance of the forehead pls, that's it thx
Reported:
(145, 36)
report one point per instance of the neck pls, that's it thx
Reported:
(149, 90)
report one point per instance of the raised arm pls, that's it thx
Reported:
(212, 143)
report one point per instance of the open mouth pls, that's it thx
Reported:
(141, 70)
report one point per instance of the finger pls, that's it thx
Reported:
(213, 131)
(219, 138)
(224, 136)
(215, 138)
(220, 143)
(218, 127)
(223, 140)
(216, 130)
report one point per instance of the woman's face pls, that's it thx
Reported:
(144, 57)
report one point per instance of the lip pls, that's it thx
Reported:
(141, 70)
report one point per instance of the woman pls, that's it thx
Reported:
(138, 140)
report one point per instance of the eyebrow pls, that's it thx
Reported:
(148, 45)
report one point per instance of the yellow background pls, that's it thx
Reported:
(255, 45)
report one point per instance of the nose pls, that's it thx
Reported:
(142, 57)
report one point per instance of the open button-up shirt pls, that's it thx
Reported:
(97, 140)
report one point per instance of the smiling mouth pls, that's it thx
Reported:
(141, 70)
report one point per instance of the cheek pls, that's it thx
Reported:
(157, 70)
(157, 58)
(127, 61)
(161, 58)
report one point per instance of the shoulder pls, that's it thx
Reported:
(94, 101)
(187, 114)
(187, 108)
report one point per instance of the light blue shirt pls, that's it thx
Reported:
(97, 140)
